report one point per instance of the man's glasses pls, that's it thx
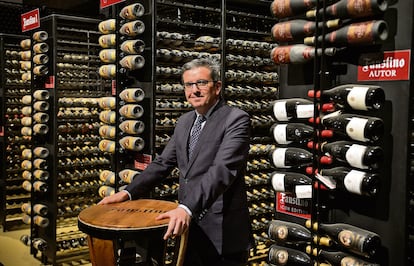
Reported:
(201, 84)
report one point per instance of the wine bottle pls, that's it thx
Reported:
(41, 152)
(27, 76)
(133, 46)
(360, 33)
(25, 65)
(40, 59)
(356, 155)
(107, 116)
(107, 41)
(41, 106)
(293, 108)
(40, 36)
(356, 127)
(26, 121)
(107, 55)
(26, 131)
(131, 95)
(25, 44)
(107, 176)
(287, 8)
(127, 175)
(26, 165)
(299, 28)
(338, 257)
(352, 238)
(27, 110)
(292, 157)
(39, 163)
(132, 143)
(41, 47)
(279, 255)
(107, 146)
(131, 111)
(27, 99)
(353, 96)
(40, 209)
(27, 175)
(108, 103)
(107, 26)
(298, 53)
(41, 70)
(132, 127)
(41, 95)
(352, 9)
(107, 71)
(25, 55)
(132, 62)
(106, 131)
(295, 133)
(291, 182)
(40, 129)
(104, 191)
(133, 11)
(27, 154)
(283, 231)
(41, 221)
(132, 28)
(39, 244)
(41, 117)
(353, 181)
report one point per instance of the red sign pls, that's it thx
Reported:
(142, 161)
(394, 65)
(288, 204)
(30, 20)
(106, 3)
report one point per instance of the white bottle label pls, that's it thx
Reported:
(279, 110)
(355, 154)
(356, 98)
(279, 134)
(303, 191)
(278, 182)
(353, 181)
(279, 155)
(355, 128)
(304, 111)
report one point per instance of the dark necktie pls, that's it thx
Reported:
(195, 134)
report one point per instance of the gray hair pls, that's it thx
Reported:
(211, 64)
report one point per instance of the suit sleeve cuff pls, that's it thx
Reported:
(186, 209)
(129, 194)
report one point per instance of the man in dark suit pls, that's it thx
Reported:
(212, 194)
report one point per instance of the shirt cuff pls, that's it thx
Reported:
(186, 209)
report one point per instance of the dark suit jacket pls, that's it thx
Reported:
(212, 183)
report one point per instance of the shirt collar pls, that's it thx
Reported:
(207, 115)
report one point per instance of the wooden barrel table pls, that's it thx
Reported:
(127, 233)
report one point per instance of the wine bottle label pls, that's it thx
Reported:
(27, 76)
(279, 110)
(108, 40)
(279, 134)
(356, 127)
(107, 26)
(107, 116)
(27, 175)
(278, 182)
(25, 65)
(27, 99)
(26, 164)
(304, 111)
(132, 11)
(26, 131)
(41, 175)
(356, 98)
(27, 110)
(40, 36)
(303, 191)
(128, 175)
(107, 176)
(278, 231)
(40, 163)
(107, 146)
(26, 121)
(278, 256)
(27, 154)
(40, 129)
(25, 55)
(132, 95)
(278, 157)
(106, 191)
(40, 209)
(355, 155)
(26, 208)
(40, 186)
(27, 185)
(352, 240)
(41, 152)
(41, 106)
(353, 181)
(40, 70)
(108, 55)
(25, 44)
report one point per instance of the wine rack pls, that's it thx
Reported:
(12, 143)
(65, 89)
(376, 209)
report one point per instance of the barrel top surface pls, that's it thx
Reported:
(127, 215)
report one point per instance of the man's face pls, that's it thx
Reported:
(201, 97)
